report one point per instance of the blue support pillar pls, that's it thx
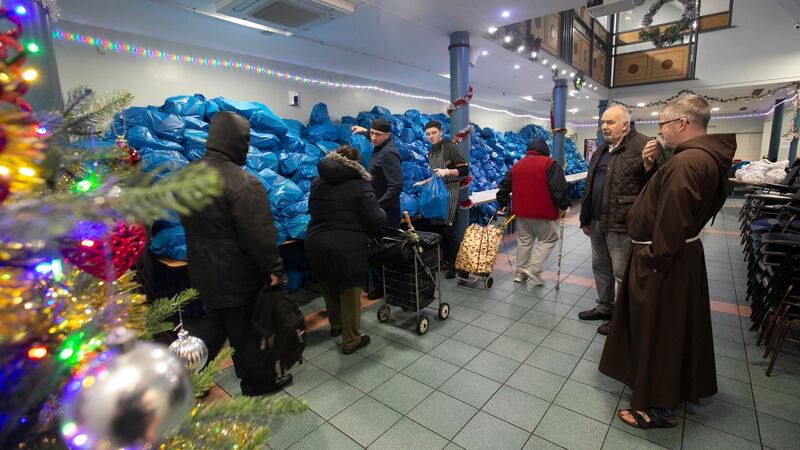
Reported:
(459, 84)
(559, 119)
(793, 144)
(45, 92)
(775, 135)
(601, 109)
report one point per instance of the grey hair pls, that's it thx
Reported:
(693, 107)
(625, 111)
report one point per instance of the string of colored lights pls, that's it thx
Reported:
(121, 47)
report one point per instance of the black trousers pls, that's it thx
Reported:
(449, 245)
(235, 326)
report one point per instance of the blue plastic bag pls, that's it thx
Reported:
(264, 141)
(268, 122)
(185, 105)
(409, 202)
(433, 200)
(170, 242)
(292, 143)
(259, 160)
(294, 126)
(163, 161)
(364, 147)
(140, 137)
(296, 226)
(164, 126)
(194, 142)
(284, 195)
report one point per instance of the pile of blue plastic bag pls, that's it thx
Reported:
(284, 153)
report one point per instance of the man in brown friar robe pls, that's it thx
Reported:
(660, 342)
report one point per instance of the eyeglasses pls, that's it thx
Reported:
(661, 124)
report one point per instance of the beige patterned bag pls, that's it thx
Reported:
(479, 248)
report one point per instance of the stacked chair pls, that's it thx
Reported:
(770, 226)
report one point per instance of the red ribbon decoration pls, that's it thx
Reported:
(462, 133)
(459, 102)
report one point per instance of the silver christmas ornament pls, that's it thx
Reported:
(191, 350)
(131, 396)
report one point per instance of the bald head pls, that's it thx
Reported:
(615, 124)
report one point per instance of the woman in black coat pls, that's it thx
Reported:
(344, 213)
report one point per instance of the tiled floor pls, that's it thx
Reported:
(514, 368)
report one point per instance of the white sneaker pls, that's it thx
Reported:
(520, 277)
(536, 278)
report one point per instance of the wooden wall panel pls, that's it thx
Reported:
(580, 50)
(599, 61)
(651, 66)
(552, 34)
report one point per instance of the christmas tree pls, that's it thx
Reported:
(77, 369)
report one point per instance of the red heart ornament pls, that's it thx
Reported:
(124, 242)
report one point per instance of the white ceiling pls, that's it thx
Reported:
(395, 41)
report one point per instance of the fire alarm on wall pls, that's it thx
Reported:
(294, 99)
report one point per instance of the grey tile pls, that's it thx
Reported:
(725, 332)
(455, 352)
(493, 322)
(570, 430)
(470, 387)
(565, 343)
(535, 381)
(475, 336)
(449, 327)
(541, 319)
(326, 437)
(726, 417)
(732, 368)
(537, 443)
(397, 356)
(365, 420)
(493, 366)
(331, 397)
(563, 297)
(527, 333)
(776, 404)
(587, 373)
(510, 347)
(376, 344)
(533, 291)
(509, 311)
(701, 437)
(335, 362)
(408, 434)
(366, 375)
(552, 307)
(480, 303)
(401, 393)
(594, 352)
(306, 377)
(464, 313)
(517, 407)
(285, 431)
(578, 328)
(589, 401)
(617, 439)
(316, 344)
(430, 370)
(522, 300)
(733, 391)
(730, 349)
(229, 382)
(575, 289)
(779, 381)
(553, 361)
(484, 431)
(426, 342)
(778, 433)
(442, 413)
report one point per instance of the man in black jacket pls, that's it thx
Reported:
(618, 171)
(232, 251)
(387, 181)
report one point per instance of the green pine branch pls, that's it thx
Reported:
(157, 314)
(204, 380)
(86, 112)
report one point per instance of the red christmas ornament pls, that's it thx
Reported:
(5, 187)
(127, 242)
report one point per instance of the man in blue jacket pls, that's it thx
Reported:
(387, 182)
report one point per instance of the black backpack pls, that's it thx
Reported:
(281, 328)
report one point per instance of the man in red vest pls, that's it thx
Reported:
(539, 189)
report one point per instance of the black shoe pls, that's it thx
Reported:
(364, 342)
(603, 329)
(594, 314)
(450, 274)
(336, 331)
(267, 388)
(375, 294)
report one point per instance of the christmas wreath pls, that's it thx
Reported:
(673, 32)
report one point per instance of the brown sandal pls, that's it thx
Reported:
(640, 421)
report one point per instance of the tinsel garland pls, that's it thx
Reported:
(459, 135)
(673, 32)
(711, 99)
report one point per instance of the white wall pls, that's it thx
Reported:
(783, 149)
(152, 80)
(748, 134)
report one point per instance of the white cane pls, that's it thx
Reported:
(560, 248)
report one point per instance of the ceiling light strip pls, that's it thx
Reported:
(121, 47)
